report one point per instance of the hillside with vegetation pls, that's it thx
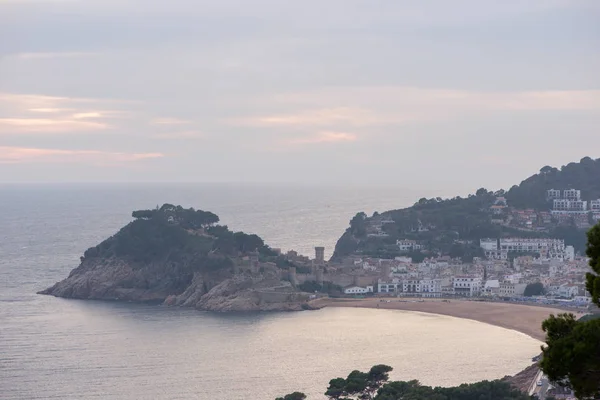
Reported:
(374, 385)
(531, 193)
(454, 226)
(180, 255)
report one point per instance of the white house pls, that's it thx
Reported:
(568, 291)
(467, 286)
(492, 286)
(510, 289)
(358, 290)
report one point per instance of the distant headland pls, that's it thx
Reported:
(498, 245)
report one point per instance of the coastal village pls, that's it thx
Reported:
(534, 270)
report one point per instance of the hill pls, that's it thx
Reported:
(531, 193)
(181, 256)
(454, 226)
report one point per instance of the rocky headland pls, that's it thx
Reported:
(181, 257)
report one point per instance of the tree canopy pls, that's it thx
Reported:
(534, 289)
(572, 351)
(531, 193)
(593, 252)
(374, 385)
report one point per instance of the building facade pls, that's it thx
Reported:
(467, 286)
(553, 249)
(408, 245)
(412, 287)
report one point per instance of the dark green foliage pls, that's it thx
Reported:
(361, 384)
(372, 385)
(572, 354)
(593, 252)
(357, 225)
(534, 289)
(174, 234)
(531, 193)
(589, 317)
(145, 214)
(293, 396)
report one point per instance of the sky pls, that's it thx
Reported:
(431, 93)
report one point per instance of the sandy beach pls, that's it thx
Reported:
(523, 318)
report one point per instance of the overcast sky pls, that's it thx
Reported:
(461, 93)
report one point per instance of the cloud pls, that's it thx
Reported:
(87, 115)
(326, 137)
(62, 114)
(49, 110)
(169, 121)
(347, 116)
(179, 135)
(41, 56)
(358, 107)
(10, 126)
(13, 155)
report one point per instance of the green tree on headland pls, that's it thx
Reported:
(572, 351)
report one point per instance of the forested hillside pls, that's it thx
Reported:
(531, 193)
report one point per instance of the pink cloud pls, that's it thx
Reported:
(326, 137)
(169, 121)
(13, 155)
(179, 135)
(47, 125)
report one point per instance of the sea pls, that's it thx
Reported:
(54, 348)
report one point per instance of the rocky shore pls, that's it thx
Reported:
(218, 291)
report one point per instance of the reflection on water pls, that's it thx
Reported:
(63, 349)
(89, 350)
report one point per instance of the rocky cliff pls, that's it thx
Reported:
(181, 258)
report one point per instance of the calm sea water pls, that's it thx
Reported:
(65, 349)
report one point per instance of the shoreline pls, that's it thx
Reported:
(525, 319)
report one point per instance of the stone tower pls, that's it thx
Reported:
(292, 276)
(319, 274)
(320, 255)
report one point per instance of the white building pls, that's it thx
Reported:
(553, 194)
(358, 290)
(408, 245)
(568, 291)
(547, 248)
(572, 194)
(412, 287)
(569, 253)
(492, 286)
(489, 245)
(595, 205)
(510, 289)
(564, 205)
(467, 286)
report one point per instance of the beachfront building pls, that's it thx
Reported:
(412, 287)
(467, 286)
(358, 290)
(510, 289)
(595, 205)
(552, 249)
